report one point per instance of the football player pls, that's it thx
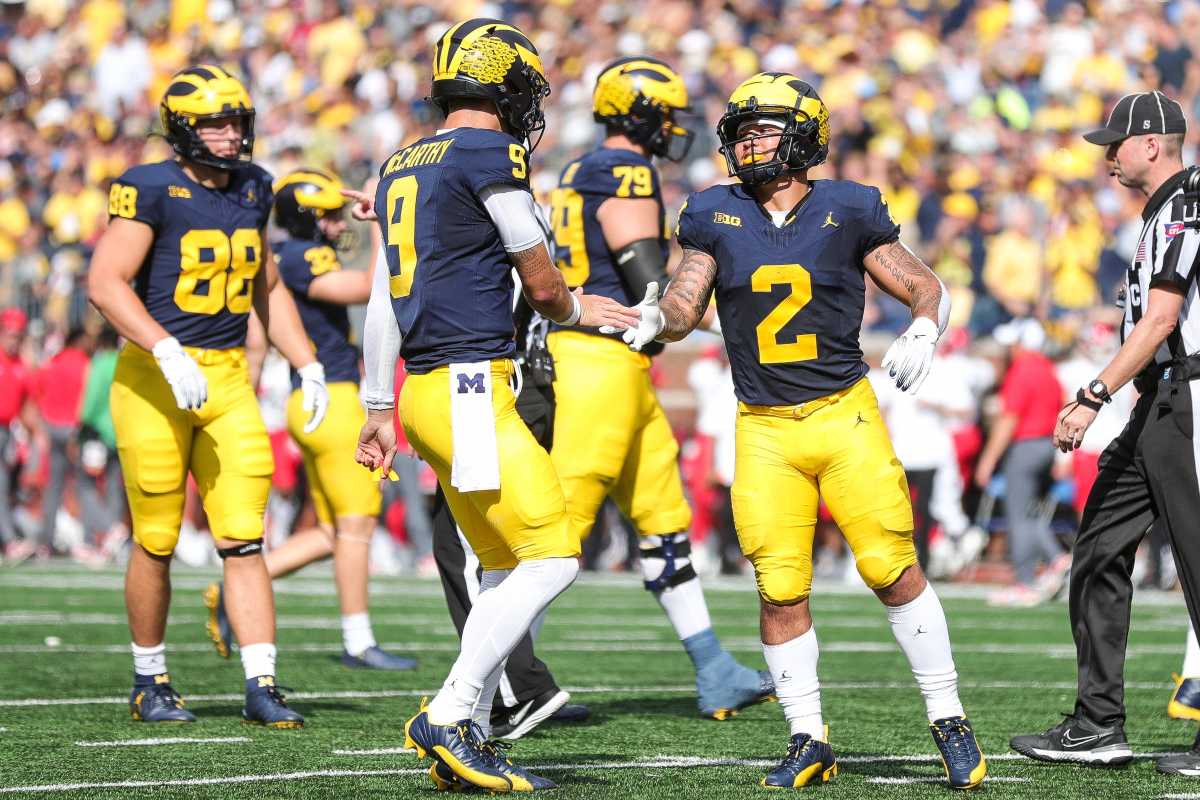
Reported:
(787, 257)
(309, 206)
(189, 234)
(457, 215)
(611, 436)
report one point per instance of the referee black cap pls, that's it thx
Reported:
(1137, 115)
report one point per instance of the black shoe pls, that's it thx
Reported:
(571, 713)
(513, 723)
(1077, 740)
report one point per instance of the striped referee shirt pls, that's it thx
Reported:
(1167, 255)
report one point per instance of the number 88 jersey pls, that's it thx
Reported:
(197, 279)
(790, 298)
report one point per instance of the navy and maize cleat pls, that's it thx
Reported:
(460, 747)
(963, 760)
(266, 706)
(521, 779)
(444, 779)
(808, 760)
(217, 625)
(375, 657)
(724, 687)
(1185, 700)
(153, 699)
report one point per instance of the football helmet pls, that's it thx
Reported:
(788, 101)
(640, 96)
(492, 60)
(303, 198)
(201, 93)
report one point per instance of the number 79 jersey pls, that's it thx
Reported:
(790, 299)
(450, 276)
(197, 280)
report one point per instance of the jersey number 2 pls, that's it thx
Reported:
(770, 349)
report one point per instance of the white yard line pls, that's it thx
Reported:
(378, 751)
(22, 702)
(159, 742)
(885, 781)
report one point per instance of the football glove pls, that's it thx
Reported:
(188, 383)
(649, 326)
(908, 360)
(313, 393)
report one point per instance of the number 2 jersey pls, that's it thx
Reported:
(197, 280)
(326, 324)
(450, 277)
(790, 299)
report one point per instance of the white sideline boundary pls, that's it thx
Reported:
(166, 741)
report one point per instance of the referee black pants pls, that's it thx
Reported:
(1147, 474)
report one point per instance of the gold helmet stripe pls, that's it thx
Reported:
(444, 47)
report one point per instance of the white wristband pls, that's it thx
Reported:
(576, 312)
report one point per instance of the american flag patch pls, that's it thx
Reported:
(1172, 229)
(1141, 251)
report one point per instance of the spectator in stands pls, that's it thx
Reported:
(58, 393)
(1030, 396)
(14, 395)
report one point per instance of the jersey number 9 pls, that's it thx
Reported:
(224, 264)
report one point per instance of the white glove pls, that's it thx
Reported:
(649, 326)
(314, 395)
(183, 374)
(909, 358)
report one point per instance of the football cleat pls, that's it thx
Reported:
(266, 706)
(217, 626)
(514, 722)
(807, 760)
(1182, 763)
(520, 778)
(1185, 700)
(375, 657)
(444, 779)
(724, 687)
(1079, 741)
(460, 747)
(158, 702)
(963, 760)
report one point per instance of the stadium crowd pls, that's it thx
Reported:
(966, 114)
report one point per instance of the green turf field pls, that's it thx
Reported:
(64, 724)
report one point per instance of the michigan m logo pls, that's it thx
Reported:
(471, 383)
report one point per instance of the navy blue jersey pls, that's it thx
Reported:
(451, 279)
(197, 280)
(790, 299)
(327, 324)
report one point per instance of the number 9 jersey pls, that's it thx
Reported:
(790, 298)
(197, 280)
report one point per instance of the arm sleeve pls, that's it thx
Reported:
(1180, 249)
(516, 217)
(690, 233)
(381, 342)
(877, 225)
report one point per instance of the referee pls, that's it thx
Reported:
(1149, 471)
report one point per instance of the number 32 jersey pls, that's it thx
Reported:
(197, 280)
(790, 299)
(450, 276)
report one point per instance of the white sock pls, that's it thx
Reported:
(258, 659)
(498, 620)
(149, 660)
(482, 713)
(684, 603)
(793, 666)
(920, 628)
(357, 635)
(1191, 656)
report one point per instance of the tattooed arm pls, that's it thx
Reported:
(899, 272)
(687, 295)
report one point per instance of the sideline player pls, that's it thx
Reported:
(309, 206)
(611, 436)
(787, 257)
(457, 215)
(189, 233)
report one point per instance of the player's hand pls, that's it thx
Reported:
(363, 208)
(188, 383)
(908, 360)
(1073, 422)
(377, 441)
(314, 394)
(648, 324)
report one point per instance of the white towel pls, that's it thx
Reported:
(476, 463)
